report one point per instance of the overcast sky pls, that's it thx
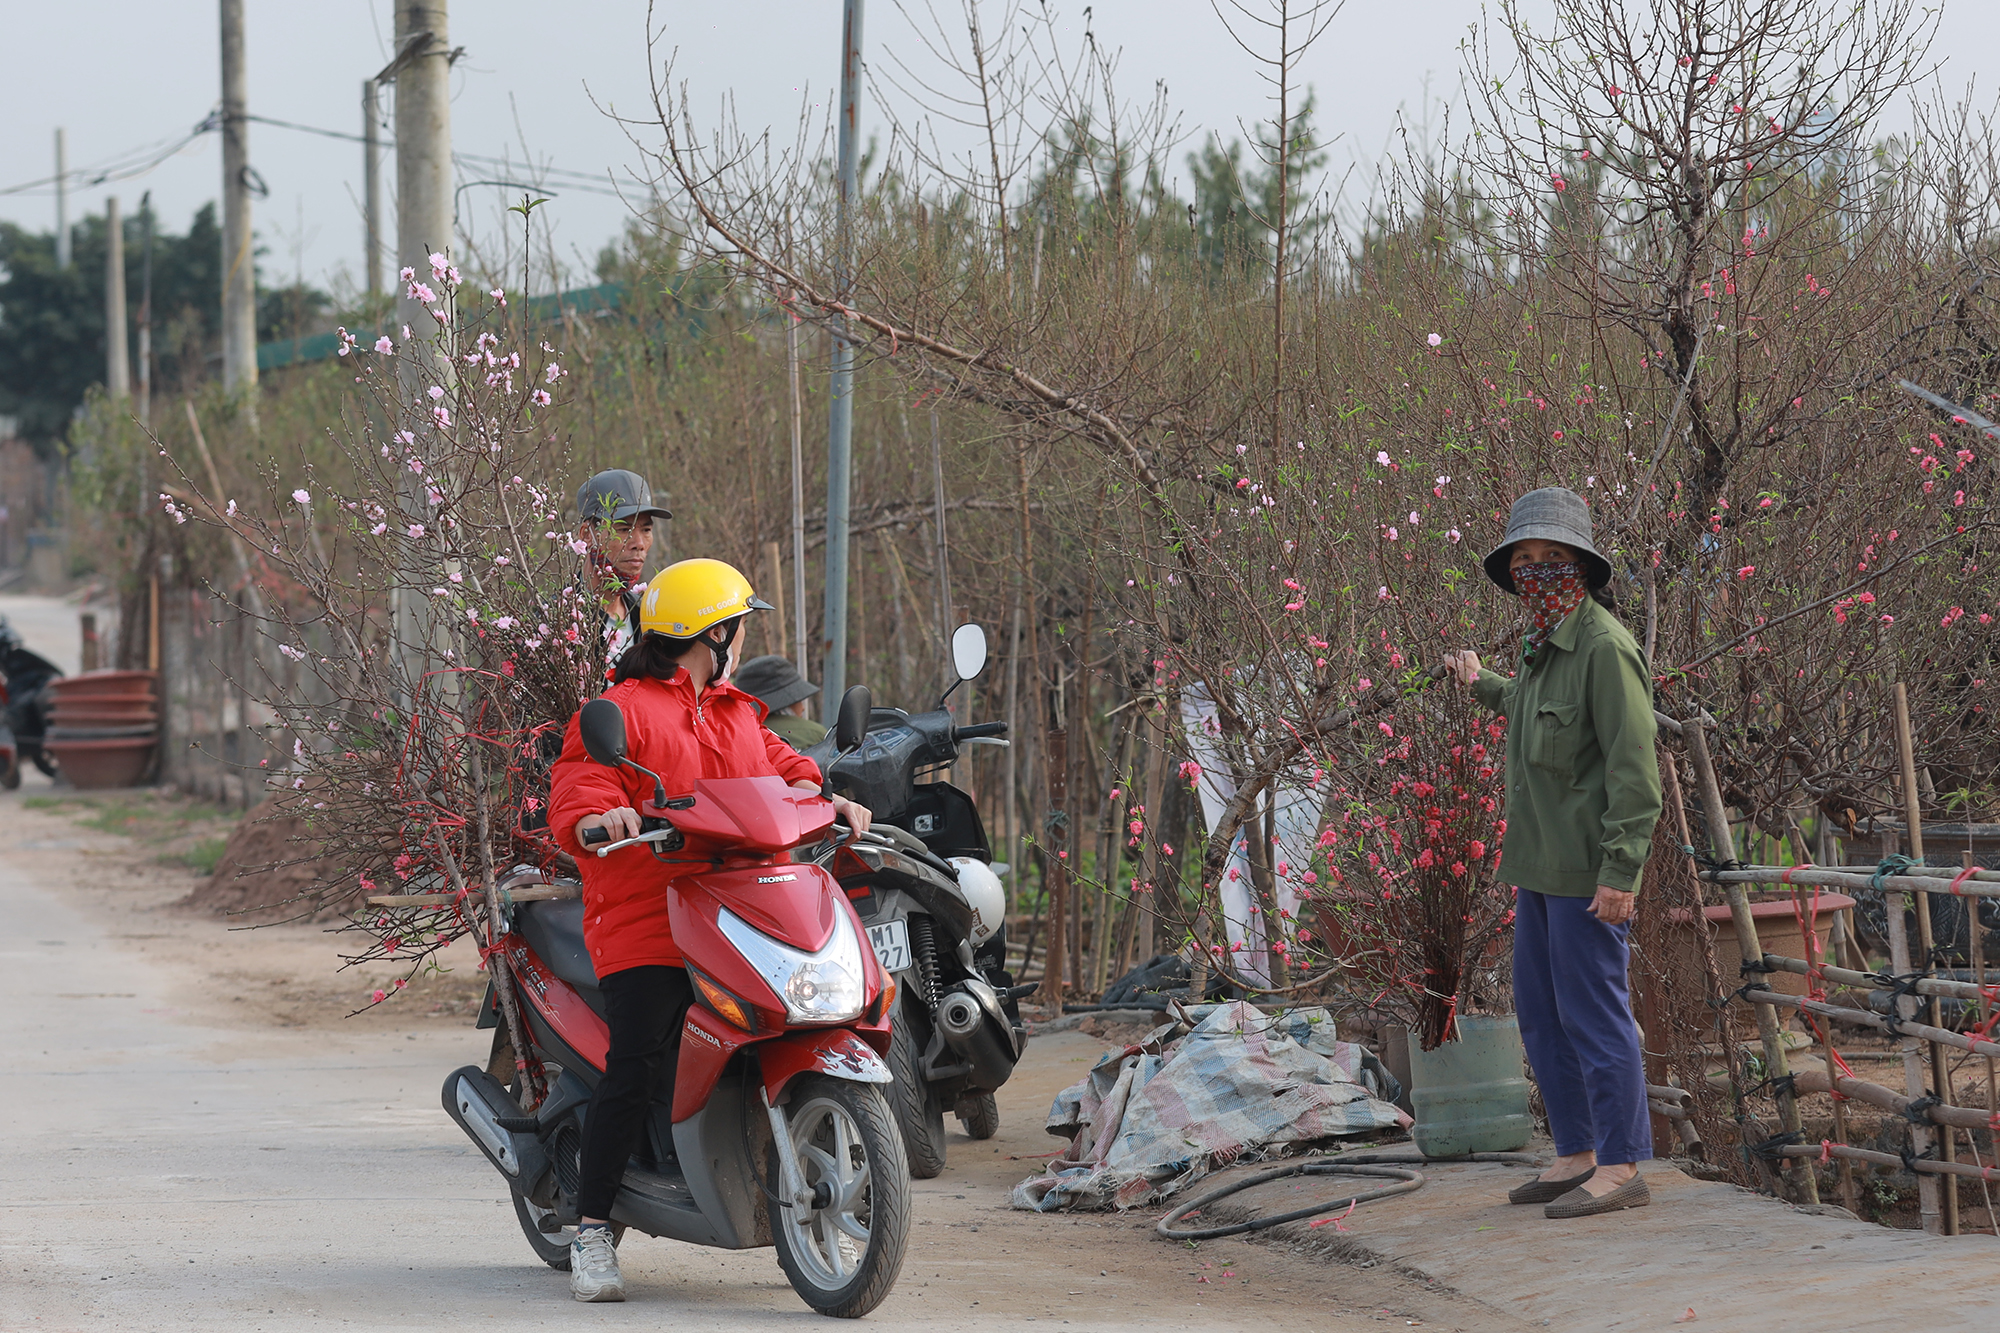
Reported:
(120, 76)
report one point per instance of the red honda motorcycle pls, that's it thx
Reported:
(778, 1132)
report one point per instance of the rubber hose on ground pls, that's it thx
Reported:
(1372, 1164)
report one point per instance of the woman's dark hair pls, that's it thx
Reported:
(1602, 596)
(652, 657)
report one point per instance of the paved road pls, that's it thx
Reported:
(48, 625)
(170, 1163)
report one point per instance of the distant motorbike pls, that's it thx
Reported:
(778, 1132)
(24, 679)
(935, 910)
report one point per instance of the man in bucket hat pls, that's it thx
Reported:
(615, 516)
(1583, 794)
(775, 681)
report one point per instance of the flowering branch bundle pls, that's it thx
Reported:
(1410, 863)
(433, 621)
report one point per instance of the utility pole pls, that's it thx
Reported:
(422, 71)
(371, 176)
(62, 201)
(840, 424)
(826, 708)
(146, 310)
(239, 266)
(117, 358)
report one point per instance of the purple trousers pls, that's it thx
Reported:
(1576, 1023)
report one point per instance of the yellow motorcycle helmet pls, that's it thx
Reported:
(690, 596)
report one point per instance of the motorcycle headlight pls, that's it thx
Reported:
(823, 987)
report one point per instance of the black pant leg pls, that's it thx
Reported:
(644, 1007)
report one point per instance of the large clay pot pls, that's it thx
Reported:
(1779, 931)
(96, 709)
(105, 682)
(1471, 1095)
(104, 762)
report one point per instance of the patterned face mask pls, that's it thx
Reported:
(1551, 592)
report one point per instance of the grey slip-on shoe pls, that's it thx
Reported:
(1546, 1191)
(1578, 1203)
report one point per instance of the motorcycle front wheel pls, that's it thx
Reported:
(842, 1254)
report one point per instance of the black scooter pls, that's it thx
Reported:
(26, 675)
(925, 886)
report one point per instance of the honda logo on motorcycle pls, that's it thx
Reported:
(775, 879)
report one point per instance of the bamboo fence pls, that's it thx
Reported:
(1914, 990)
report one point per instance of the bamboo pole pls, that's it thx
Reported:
(1055, 953)
(1847, 976)
(1913, 1067)
(1776, 1067)
(536, 894)
(1976, 942)
(1711, 970)
(1849, 1195)
(1881, 1023)
(1926, 1169)
(1940, 1066)
(1979, 884)
(1888, 1099)
(499, 971)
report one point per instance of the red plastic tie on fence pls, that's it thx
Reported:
(1785, 876)
(1825, 1151)
(1963, 876)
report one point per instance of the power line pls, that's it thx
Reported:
(139, 161)
(118, 167)
(572, 179)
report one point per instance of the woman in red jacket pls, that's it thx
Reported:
(683, 720)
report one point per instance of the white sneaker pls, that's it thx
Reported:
(593, 1266)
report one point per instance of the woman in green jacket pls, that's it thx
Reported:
(1583, 794)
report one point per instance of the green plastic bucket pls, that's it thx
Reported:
(1469, 1095)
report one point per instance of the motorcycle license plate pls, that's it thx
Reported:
(891, 942)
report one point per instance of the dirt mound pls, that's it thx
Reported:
(270, 869)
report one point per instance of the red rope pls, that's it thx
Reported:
(1963, 876)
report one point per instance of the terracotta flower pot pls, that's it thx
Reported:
(94, 710)
(1778, 931)
(110, 762)
(105, 682)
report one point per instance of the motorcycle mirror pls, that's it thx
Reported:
(968, 651)
(852, 723)
(601, 726)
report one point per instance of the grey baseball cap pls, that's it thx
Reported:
(1553, 514)
(774, 680)
(610, 496)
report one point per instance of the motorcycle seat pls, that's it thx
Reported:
(554, 930)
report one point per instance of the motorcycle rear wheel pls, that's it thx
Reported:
(978, 1114)
(551, 1247)
(919, 1110)
(843, 1256)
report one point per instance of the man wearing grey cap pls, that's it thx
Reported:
(615, 514)
(775, 681)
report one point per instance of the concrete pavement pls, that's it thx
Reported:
(172, 1164)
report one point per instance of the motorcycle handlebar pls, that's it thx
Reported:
(593, 837)
(978, 730)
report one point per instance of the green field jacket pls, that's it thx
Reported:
(1583, 782)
